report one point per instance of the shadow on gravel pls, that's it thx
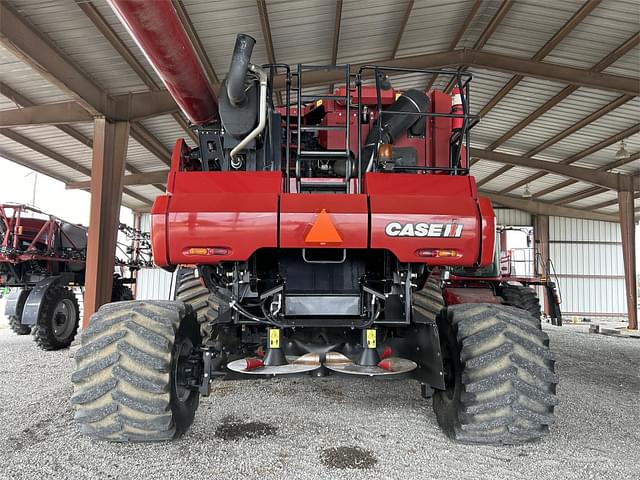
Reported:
(348, 457)
(233, 429)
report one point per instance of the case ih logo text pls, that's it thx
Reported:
(395, 229)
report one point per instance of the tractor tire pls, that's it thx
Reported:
(429, 301)
(190, 291)
(125, 383)
(500, 376)
(17, 327)
(522, 297)
(120, 292)
(58, 320)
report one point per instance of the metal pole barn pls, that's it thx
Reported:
(110, 141)
(628, 228)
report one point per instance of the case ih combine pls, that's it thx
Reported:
(41, 259)
(320, 230)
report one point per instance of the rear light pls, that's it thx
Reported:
(202, 251)
(437, 252)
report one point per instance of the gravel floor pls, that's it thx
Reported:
(327, 428)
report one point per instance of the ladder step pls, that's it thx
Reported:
(311, 68)
(316, 184)
(325, 153)
(323, 97)
(320, 128)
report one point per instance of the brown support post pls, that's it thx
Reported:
(628, 228)
(541, 245)
(110, 141)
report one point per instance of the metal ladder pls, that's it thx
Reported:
(302, 156)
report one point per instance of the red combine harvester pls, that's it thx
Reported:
(318, 229)
(509, 278)
(41, 259)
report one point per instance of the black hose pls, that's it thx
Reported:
(238, 69)
(395, 124)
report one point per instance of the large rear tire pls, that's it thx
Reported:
(522, 297)
(58, 319)
(205, 305)
(126, 384)
(500, 372)
(429, 301)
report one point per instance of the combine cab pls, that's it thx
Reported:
(42, 258)
(318, 229)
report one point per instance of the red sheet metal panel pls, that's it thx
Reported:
(413, 214)
(348, 213)
(455, 296)
(229, 214)
(488, 231)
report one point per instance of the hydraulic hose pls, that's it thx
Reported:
(394, 124)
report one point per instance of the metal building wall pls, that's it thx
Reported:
(509, 216)
(588, 259)
(153, 283)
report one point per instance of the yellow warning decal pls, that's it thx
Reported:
(274, 338)
(371, 338)
(318, 103)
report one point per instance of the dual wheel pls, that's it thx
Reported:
(499, 370)
(129, 383)
(58, 317)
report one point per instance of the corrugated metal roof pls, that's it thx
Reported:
(73, 33)
(369, 29)
(23, 79)
(441, 21)
(218, 24)
(529, 25)
(607, 27)
(303, 30)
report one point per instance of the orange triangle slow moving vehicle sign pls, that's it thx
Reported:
(323, 231)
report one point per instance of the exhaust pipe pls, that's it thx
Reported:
(262, 122)
(157, 30)
(242, 103)
(239, 68)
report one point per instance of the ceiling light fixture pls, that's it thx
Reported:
(622, 152)
(527, 193)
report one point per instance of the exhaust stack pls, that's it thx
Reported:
(238, 69)
(158, 31)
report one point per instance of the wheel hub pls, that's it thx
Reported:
(64, 315)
